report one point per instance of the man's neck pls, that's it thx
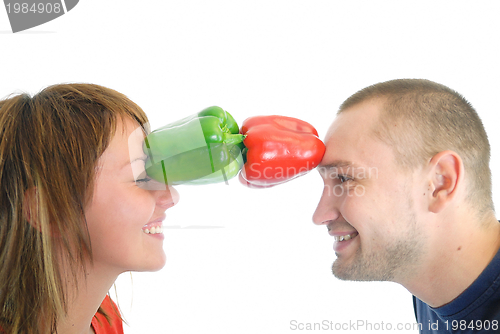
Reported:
(459, 255)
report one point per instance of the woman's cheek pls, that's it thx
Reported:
(141, 206)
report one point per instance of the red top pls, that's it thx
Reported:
(101, 326)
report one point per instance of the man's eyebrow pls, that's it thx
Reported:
(338, 164)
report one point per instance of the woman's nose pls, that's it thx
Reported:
(167, 198)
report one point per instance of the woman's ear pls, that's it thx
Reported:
(446, 177)
(30, 208)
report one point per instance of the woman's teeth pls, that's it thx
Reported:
(153, 230)
(339, 238)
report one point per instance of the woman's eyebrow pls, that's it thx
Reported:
(141, 158)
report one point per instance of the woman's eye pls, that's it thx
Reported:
(143, 180)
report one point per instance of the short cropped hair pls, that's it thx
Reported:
(420, 118)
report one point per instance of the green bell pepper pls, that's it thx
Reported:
(200, 149)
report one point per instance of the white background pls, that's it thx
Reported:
(265, 263)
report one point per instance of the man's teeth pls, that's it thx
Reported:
(153, 230)
(339, 238)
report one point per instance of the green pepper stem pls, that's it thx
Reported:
(230, 138)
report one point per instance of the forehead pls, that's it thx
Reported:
(350, 137)
(126, 144)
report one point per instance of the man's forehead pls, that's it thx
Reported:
(351, 137)
(358, 118)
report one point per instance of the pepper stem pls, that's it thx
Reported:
(233, 138)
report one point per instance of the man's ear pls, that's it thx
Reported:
(446, 177)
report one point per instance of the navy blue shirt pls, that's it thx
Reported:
(476, 310)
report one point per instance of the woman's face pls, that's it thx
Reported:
(125, 216)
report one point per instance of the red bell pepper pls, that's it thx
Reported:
(278, 149)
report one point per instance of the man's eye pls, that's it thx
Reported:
(344, 178)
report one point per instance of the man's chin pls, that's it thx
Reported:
(356, 272)
(342, 272)
(352, 268)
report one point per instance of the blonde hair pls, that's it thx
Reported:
(49, 147)
(420, 118)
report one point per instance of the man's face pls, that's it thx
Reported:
(369, 204)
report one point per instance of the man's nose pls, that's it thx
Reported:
(327, 209)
